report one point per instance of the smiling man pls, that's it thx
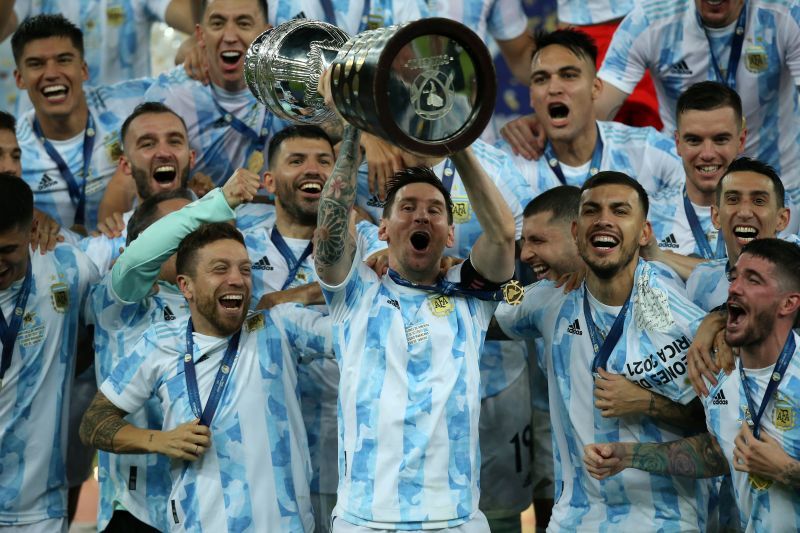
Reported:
(563, 89)
(710, 135)
(156, 157)
(750, 204)
(227, 126)
(239, 379)
(753, 47)
(751, 412)
(70, 139)
(622, 321)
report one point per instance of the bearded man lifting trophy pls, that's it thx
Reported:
(427, 86)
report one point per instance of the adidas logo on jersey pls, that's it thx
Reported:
(575, 328)
(262, 264)
(46, 182)
(669, 242)
(168, 314)
(681, 69)
(374, 201)
(719, 398)
(394, 303)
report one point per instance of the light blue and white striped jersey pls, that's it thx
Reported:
(707, 285)
(775, 510)
(665, 37)
(116, 35)
(318, 378)
(258, 452)
(643, 153)
(109, 107)
(254, 215)
(102, 250)
(139, 483)
(219, 147)
(501, 361)
(352, 16)
(671, 226)
(34, 398)
(652, 353)
(587, 12)
(408, 413)
(499, 19)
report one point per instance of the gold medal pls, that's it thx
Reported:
(758, 482)
(513, 292)
(255, 162)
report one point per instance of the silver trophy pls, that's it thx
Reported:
(426, 86)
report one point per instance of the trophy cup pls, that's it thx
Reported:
(427, 86)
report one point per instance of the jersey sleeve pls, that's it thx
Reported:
(86, 276)
(137, 268)
(666, 166)
(506, 20)
(133, 380)
(307, 330)
(157, 9)
(367, 235)
(626, 59)
(791, 43)
(520, 322)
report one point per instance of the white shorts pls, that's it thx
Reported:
(506, 442)
(477, 524)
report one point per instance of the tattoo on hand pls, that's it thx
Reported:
(791, 475)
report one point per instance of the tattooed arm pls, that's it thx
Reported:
(492, 255)
(103, 427)
(698, 457)
(334, 245)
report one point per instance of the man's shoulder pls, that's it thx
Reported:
(73, 260)
(634, 138)
(661, 12)
(176, 86)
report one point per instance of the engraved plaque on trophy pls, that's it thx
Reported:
(426, 86)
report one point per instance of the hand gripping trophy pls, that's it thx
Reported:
(427, 86)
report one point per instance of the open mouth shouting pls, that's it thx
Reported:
(55, 94)
(232, 303)
(231, 59)
(311, 188)
(745, 233)
(165, 174)
(540, 270)
(420, 241)
(559, 113)
(604, 243)
(737, 314)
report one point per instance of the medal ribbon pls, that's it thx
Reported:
(594, 166)
(77, 193)
(777, 375)
(293, 263)
(448, 174)
(257, 141)
(221, 379)
(8, 332)
(448, 288)
(737, 40)
(699, 235)
(603, 347)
